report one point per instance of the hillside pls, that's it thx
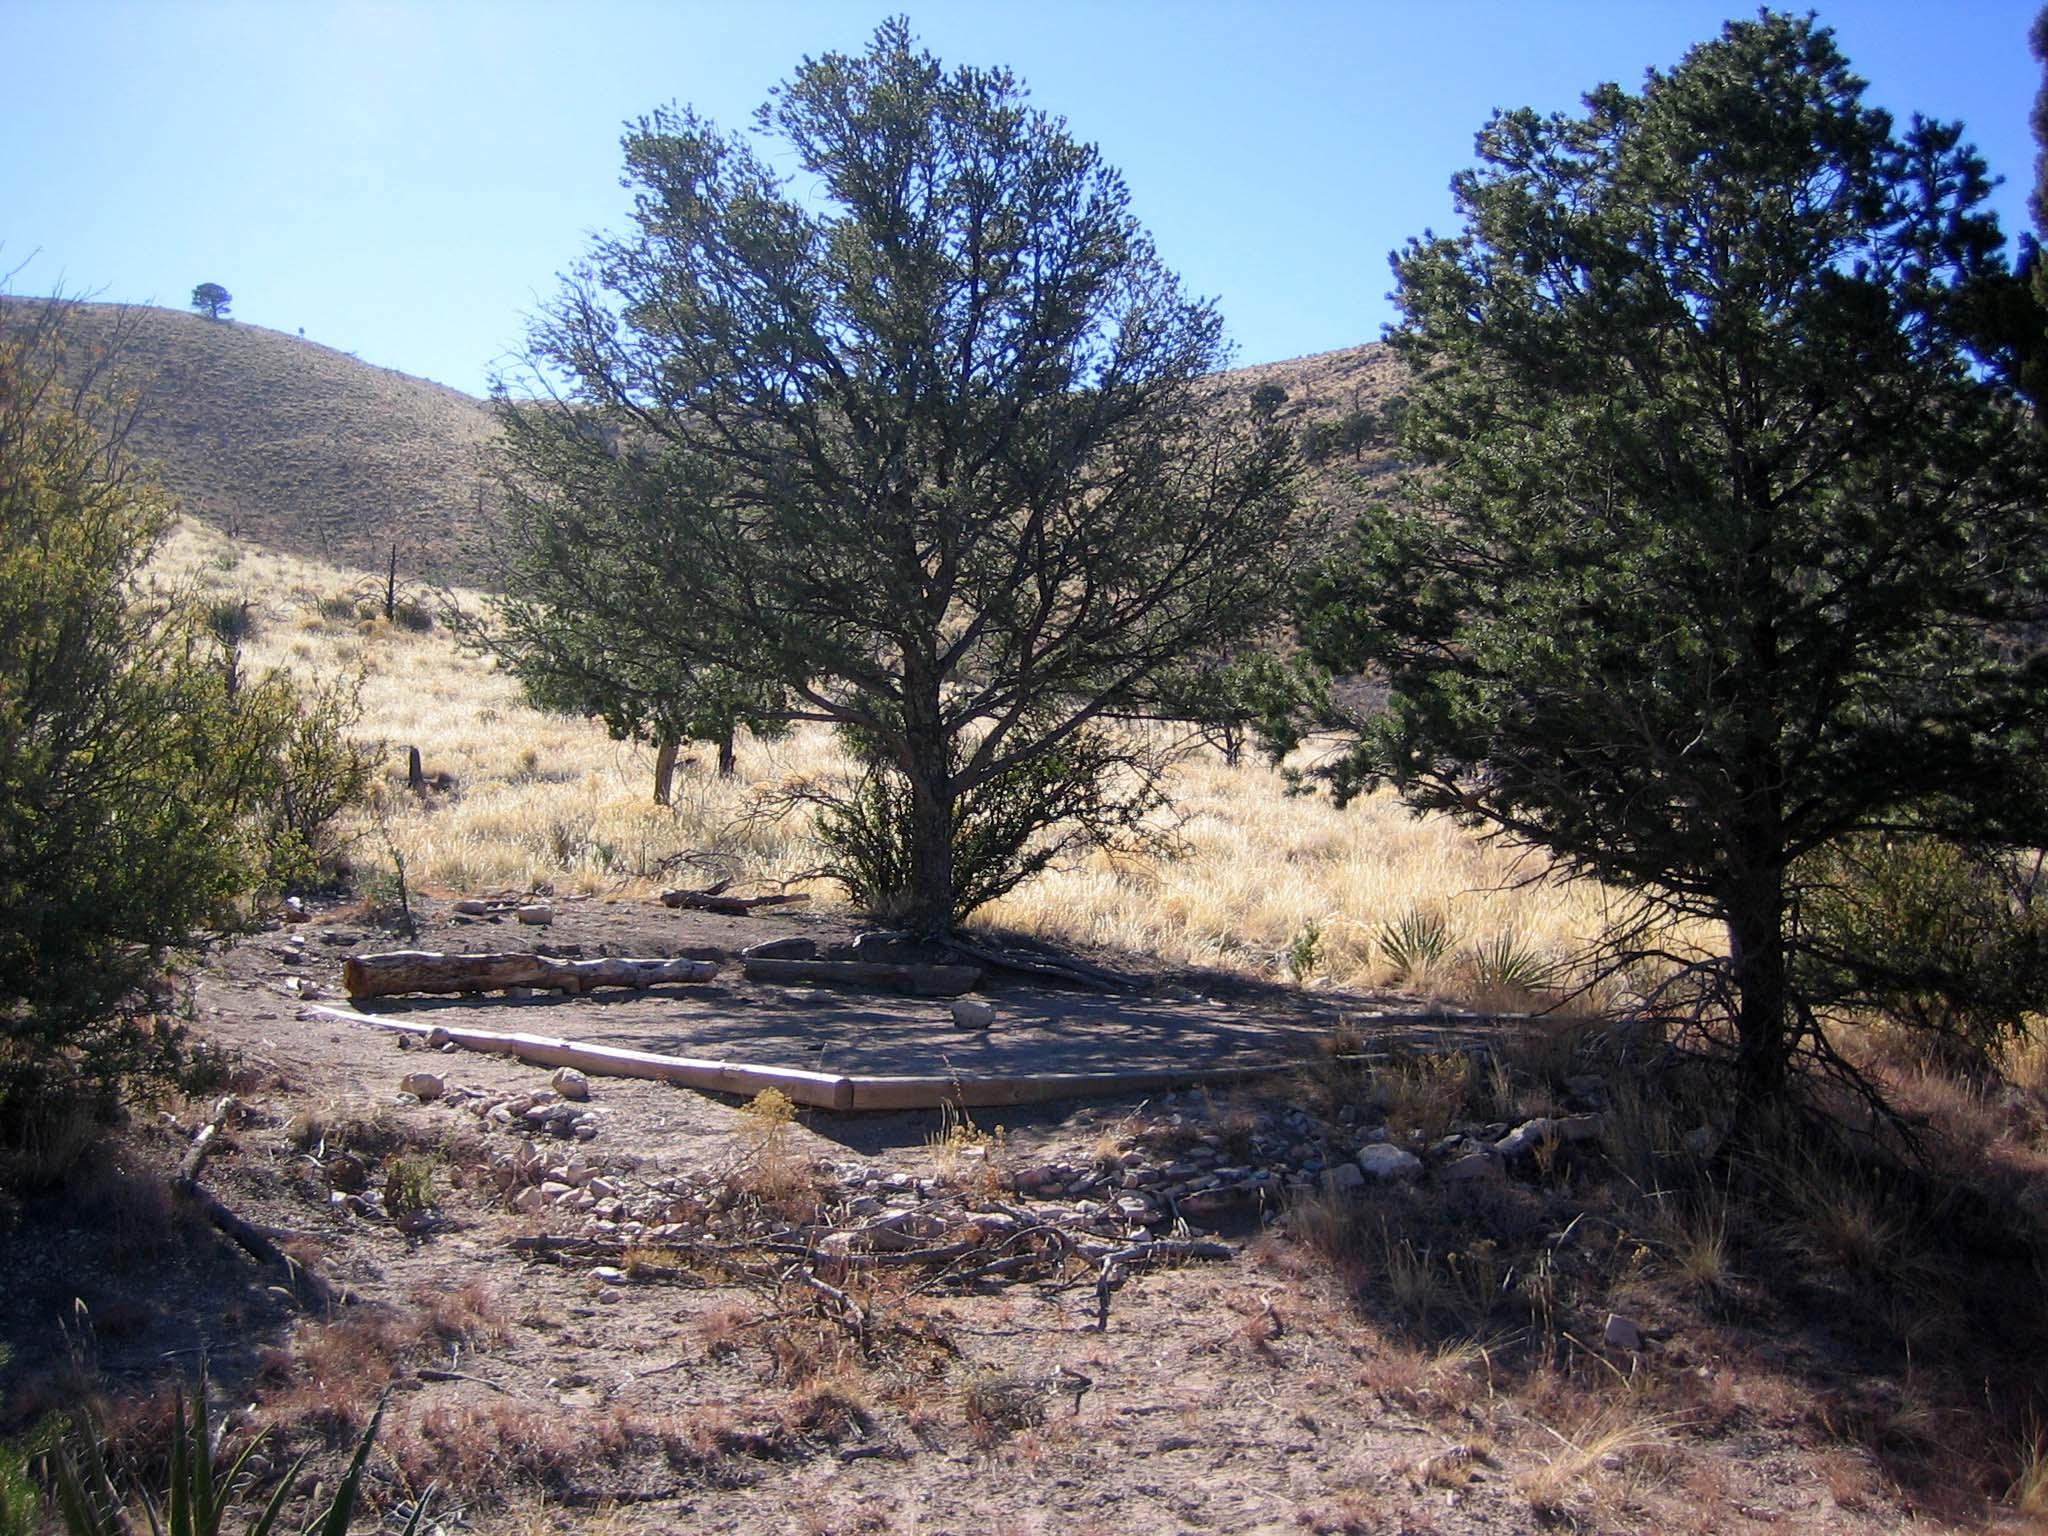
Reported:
(299, 447)
(310, 451)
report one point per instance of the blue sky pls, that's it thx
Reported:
(404, 181)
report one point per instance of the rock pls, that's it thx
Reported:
(1577, 1128)
(782, 949)
(529, 1201)
(606, 1274)
(605, 1189)
(969, 1014)
(539, 915)
(1473, 1167)
(570, 1084)
(1386, 1162)
(438, 1039)
(346, 1172)
(555, 1190)
(1343, 1178)
(1588, 1090)
(1622, 1333)
(1525, 1138)
(424, 1086)
(584, 1129)
(1702, 1141)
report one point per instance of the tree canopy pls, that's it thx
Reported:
(211, 300)
(1731, 521)
(927, 445)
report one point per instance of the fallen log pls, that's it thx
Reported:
(410, 970)
(868, 975)
(247, 1236)
(711, 900)
(819, 1090)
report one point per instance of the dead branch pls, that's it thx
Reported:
(713, 899)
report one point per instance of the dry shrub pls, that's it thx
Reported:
(1605, 1446)
(775, 1175)
(469, 1315)
(332, 1375)
(471, 1450)
(829, 1409)
(997, 1403)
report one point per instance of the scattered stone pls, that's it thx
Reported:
(1525, 1138)
(969, 1014)
(793, 948)
(570, 1084)
(1386, 1162)
(1702, 1141)
(539, 915)
(529, 1201)
(1622, 1333)
(607, 1274)
(424, 1086)
(555, 1190)
(439, 1039)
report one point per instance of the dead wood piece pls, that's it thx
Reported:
(1077, 972)
(917, 980)
(1117, 1262)
(435, 1373)
(251, 1239)
(713, 899)
(202, 1145)
(398, 972)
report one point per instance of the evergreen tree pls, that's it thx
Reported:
(1730, 521)
(211, 300)
(927, 447)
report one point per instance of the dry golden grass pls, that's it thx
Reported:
(538, 799)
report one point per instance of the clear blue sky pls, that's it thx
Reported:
(405, 180)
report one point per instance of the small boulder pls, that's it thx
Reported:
(1386, 1162)
(1343, 1178)
(1525, 1138)
(538, 915)
(969, 1014)
(570, 1084)
(424, 1086)
(1622, 1333)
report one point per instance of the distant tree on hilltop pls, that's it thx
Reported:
(212, 300)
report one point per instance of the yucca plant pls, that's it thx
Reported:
(197, 1503)
(1416, 942)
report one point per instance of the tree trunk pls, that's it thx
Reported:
(928, 906)
(1763, 1032)
(726, 756)
(665, 771)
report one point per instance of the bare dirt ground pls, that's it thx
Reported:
(668, 1363)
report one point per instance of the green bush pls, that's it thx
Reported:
(140, 783)
(1928, 937)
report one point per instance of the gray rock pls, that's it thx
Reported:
(793, 948)
(1344, 1177)
(1386, 1162)
(538, 915)
(424, 1086)
(1622, 1333)
(970, 1014)
(570, 1084)
(1525, 1138)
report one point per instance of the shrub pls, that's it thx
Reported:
(136, 776)
(1927, 936)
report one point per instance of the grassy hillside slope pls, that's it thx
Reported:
(284, 443)
(298, 447)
